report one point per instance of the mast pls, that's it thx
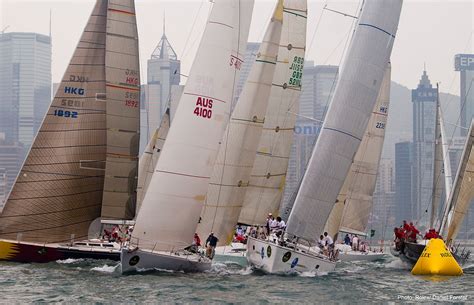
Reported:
(267, 179)
(170, 211)
(231, 173)
(58, 192)
(347, 118)
(123, 111)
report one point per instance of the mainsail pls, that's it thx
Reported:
(347, 118)
(58, 191)
(123, 111)
(356, 195)
(150, 157)
(438, 180)
(268, 174)
(170, 211)
(463, 189)
(231, 173)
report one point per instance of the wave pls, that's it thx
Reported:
(70, 261)
(105, 268)
(398, 264)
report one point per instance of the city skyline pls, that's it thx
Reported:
(419, 19)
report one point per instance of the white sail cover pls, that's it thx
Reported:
(438, 180)
(170, 211)
(357, 191)
(231, 174)
(58, 192)
(268, 174)
(150, 157)
(347, 118)
(123, 111)
(463, 189)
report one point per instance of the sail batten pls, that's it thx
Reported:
(268, 175)
(347, 118)
(58, 191)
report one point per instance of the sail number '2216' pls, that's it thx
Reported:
(203, 107)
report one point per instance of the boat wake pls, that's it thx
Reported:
(398, 264)
(105, 268)
(70, 261)
(229, 269)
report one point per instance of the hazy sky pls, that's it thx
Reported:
(430, 32)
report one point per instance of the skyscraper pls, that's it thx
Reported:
(25, 84)
(163, 75)
(404, 209)
(464, 63)
(424, 99)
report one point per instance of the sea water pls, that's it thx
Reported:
(89, 281)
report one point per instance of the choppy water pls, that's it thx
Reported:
(88, 281)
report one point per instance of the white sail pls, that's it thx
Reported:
(268, 174)
(438, 180)
(150, 157)
(358, 188)
(122, 70)
(237, 151)
(448, 176)
(170, 211)
(463, 189)
(347, 118)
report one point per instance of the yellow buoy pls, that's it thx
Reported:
(436, 260)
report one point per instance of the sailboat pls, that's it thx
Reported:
(83, 162)
(169, 214)
(346, 122)
(351, 212)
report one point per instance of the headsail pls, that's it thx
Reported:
(123, 111)
(463, 189)
(268, 174)
(358, 188)
(58, 191)
(347, 118)
(172, 205)
(237, 151)
(150, 157)
(438, 180)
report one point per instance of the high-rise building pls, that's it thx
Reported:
(464, 63)
(11, 159)
(424, 99)
(163, 75)
(25, 84)
(404, 209)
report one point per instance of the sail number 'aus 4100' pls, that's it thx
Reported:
(203, 107)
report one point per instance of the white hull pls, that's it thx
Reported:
(360, 256)
(273, 258)
(137, 260)
(233, 253)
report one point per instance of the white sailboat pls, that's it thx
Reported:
(231, 174)
(82, 164)
(169, 213)
(346, 122)
(354, 203)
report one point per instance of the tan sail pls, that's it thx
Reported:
(150, 157)
(463, 189)
(268, 175)
(58, 192)
(123, 111)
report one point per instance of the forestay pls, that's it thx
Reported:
(347, 118)
(58, 191)
(123, 111)
(231, 173)
(268, 174)
(172, 205)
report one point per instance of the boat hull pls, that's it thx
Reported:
(234, 253)
(272, 258)
(24, 252)
(137, 260)
(353, 256)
